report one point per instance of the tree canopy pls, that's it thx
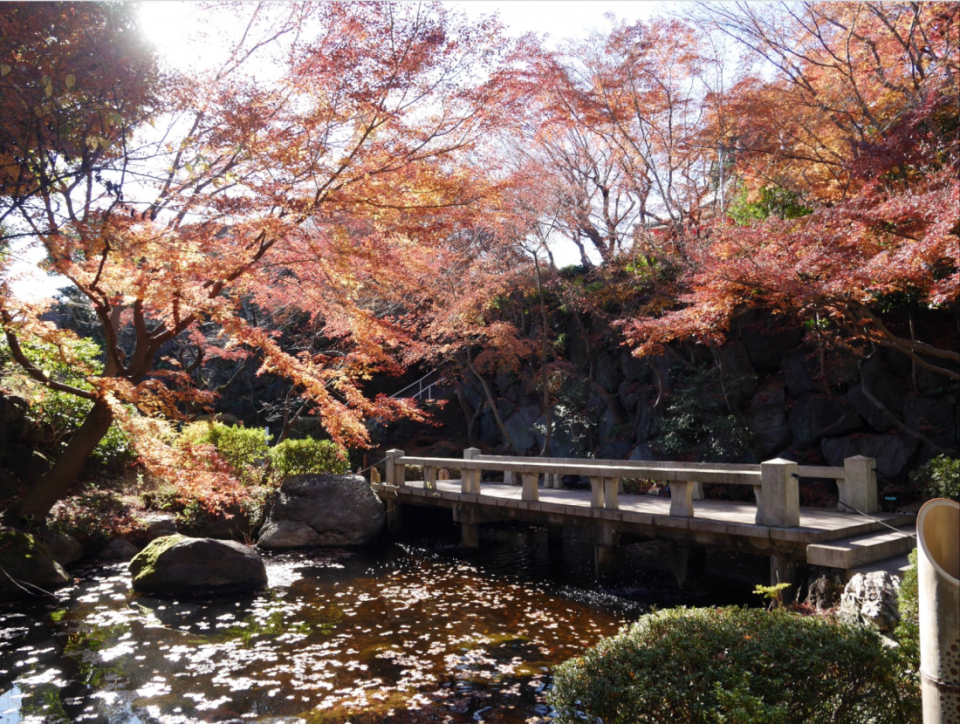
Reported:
(400, 171)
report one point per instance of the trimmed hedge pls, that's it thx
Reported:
(299, 457)
(748, 666)
(245, 449)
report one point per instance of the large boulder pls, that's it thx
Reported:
(64, 548)
(871, 600)
(815, 417)
(118, 550)
(739, 376)
(28, 567)
(176, 565)
(25, 462)
(767, 418)
(342, 510)
(802, 371)
(936, 419)
(893, 453)
(520, 429)
(885, 387)
(646, 420)
(767, 346)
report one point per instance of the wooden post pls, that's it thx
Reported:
(859, 487)
(780, 501)
(784, 570)
(394, 515)
(395, 471)
(681, 500)
(530, 490)
(596, 492)
(374, 475)
(429, 478)
(604, 561)
(470, 535)
(610, 499)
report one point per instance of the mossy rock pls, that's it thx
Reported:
(177, 565)
(26, 566)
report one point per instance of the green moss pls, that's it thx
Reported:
(18, 551)
(144, 563)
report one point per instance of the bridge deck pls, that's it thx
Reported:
(716, 519)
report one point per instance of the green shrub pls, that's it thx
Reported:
(245, 449)
(939, 477)
(60, 414)
(908, 630)
(747, 666)
(697, 422)
(299, 457)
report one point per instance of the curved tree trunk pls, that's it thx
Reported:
(547, 409)
(36, 504)
(491, 400)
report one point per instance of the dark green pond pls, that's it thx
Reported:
(410, 632)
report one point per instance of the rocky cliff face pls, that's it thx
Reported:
(766, 393)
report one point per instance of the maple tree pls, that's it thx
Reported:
(858, 125)
(335, 189)
(73, 79)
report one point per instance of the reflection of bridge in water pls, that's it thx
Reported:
(854, 536)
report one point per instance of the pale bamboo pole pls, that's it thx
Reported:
(938, 574)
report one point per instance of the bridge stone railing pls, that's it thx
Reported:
(775, 482)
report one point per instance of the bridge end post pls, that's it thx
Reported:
(395, 476)
(779, 503)
(859, 487)
(396, 473)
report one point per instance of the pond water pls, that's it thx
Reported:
(413, 631)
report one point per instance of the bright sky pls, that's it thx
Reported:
(173, 27)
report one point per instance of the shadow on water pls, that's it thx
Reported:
(413, 631)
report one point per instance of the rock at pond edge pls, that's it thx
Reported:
(342, 510)
(28, 568)
(176, 564)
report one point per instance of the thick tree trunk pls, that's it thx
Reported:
(36, 504)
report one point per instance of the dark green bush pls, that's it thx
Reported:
(245, 449)
(299, 457)
(748, 666)
(698, 422)
(939, 478)
(908, 630)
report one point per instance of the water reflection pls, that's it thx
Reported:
(414, 632)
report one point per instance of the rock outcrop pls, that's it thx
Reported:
(177, 565)
(63, 548)
(28, 569)
(322, 510)
(870, 599)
